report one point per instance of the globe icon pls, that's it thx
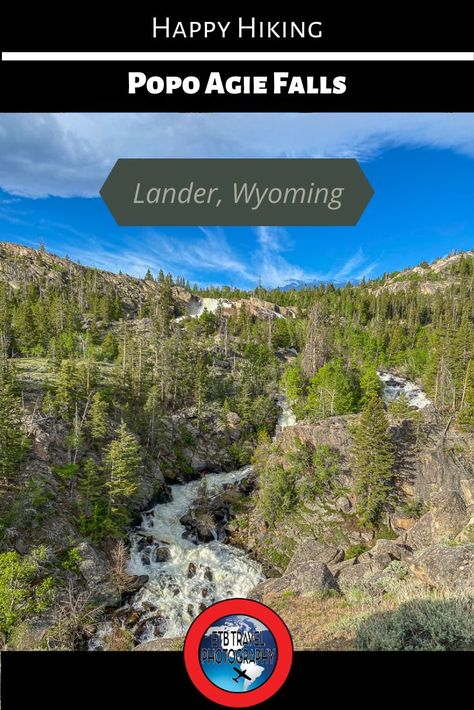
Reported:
(238, 653)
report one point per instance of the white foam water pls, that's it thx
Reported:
(394, 386)
(193, 575)
(287, 417)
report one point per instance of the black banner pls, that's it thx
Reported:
(393, 27)
(126, 680)
(104, 86)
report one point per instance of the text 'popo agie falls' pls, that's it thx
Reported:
(278, 83)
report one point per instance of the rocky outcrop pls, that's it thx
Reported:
(95, 572)
(367, 569)
(447, 518)
(310, 550)
(335, 432)
(426, 278)
(435, 469)
(385, 551)
(207, 438)
(449, 514)
(309, 578)
(444, 567)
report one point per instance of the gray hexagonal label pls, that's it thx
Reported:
(231, 192)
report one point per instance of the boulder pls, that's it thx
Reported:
(356, 575)
(445, 521)
(401, 522)
(106, 594)
(21, 546)
(467, 533)
(446, 567)
(368, 568)
(92, 566)
(310, 550)
(449, 515)
(196, 531)
(306, 579)
(200, 463)
(135, 583)
(162, 554)
(343, 504)
(420, 535)
(337, 568)
(385, 551)
(132, 618)
(204, 533)
(377, 562)
(151, 625)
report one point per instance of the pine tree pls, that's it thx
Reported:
(67, 389)
(98, 418)
(122, 462)
(281, 335)
(465, 417)
(109, 348)
(13, 442)
(164, 308)
(370, 384)
(373, 461)
(293, 382)
(5, 324)
(92, 503)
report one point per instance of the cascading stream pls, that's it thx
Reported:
(185, 577)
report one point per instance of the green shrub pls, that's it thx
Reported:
(66, 471)
(72, 560)
(392, 578)
(326, 465)
(386, 533)
(354, 551)
(241, 452)
(420, 625)
(22, 592)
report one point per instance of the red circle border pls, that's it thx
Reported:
(253, 609)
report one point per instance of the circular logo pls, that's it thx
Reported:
(238, 653)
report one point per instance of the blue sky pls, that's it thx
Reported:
(421, 167)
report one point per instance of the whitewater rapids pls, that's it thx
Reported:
(193, 575)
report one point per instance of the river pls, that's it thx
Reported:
(193, 575)
(184, 577)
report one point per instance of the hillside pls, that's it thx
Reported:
(22, 267)
(430, 278)
(147, 468)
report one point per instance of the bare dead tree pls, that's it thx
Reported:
(118, 572)
(316, 351)
(74, 618)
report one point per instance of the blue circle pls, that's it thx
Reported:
(238, 653)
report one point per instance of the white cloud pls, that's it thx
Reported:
(72, 154)
(208, 252)
(351, 264)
